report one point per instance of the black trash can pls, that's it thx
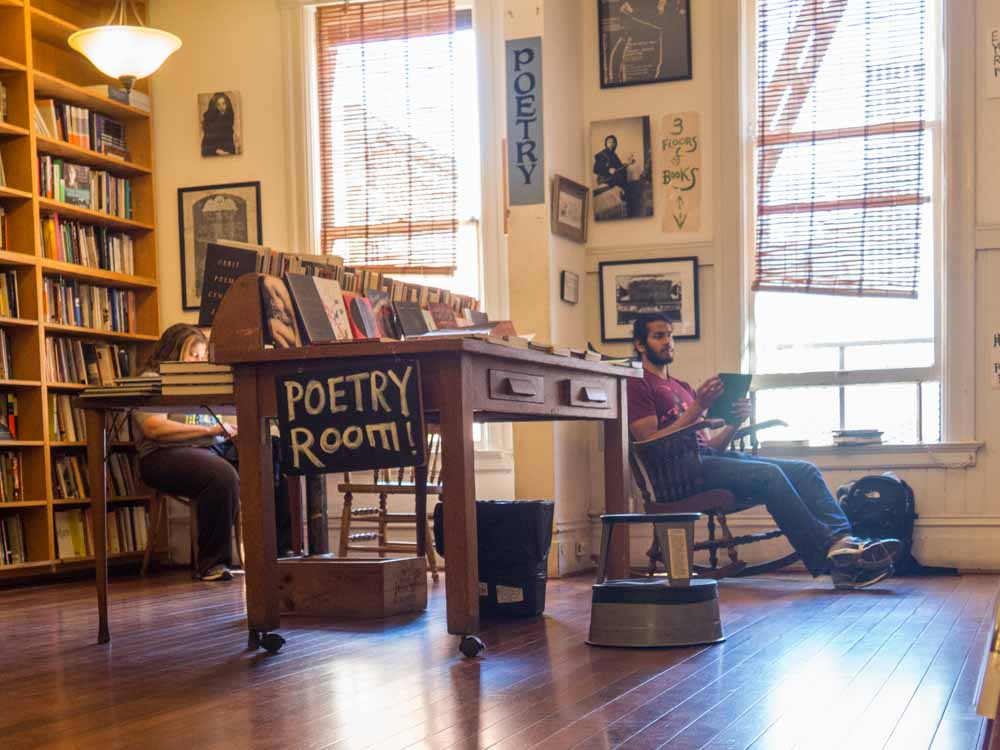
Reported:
(513, 547)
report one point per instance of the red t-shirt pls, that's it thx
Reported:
(666, 398)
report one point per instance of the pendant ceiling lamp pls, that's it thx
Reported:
(123, 51)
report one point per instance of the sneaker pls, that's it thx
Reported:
(217, 573)
(854, 552)
(852, 579)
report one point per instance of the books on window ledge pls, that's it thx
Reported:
(857, 437)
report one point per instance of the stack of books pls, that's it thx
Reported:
(857, 437)
(196, 378)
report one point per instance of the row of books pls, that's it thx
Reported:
(6, 356)
(10, 307)
(75, 303)
(87, 245)
(124, 471)
(81, 127)
(69, 477)
(80, 185)
(226, 260)
(8, 416)
(66, 423)
(13, 540)
(11, 482)
(72, 360)
(74, 531)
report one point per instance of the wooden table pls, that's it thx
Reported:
(463, 381)
(97, 411)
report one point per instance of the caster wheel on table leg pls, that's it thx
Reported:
(272, 642)
(471, 646)
(253, 640)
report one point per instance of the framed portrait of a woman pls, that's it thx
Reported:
(221, 123)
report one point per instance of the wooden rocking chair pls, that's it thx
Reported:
(378, 519)
(667, 468)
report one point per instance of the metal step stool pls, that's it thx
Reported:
(652, 612)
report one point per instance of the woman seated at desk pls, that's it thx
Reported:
(191, 460)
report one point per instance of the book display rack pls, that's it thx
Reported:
(78, 264)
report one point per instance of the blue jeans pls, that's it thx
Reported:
(794, 493)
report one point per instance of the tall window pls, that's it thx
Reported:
(845, 294)
(399, 139)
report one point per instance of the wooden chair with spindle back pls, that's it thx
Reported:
(667, 468)
(379, 519)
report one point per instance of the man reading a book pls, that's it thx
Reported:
(794, 492)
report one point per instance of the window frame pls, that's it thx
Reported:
(936, 128)
(304, 208)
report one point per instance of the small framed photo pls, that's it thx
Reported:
(569, 209)
(220, 118)
(209, 213)
(622, 170)
(569, 287)
(630, 288)
(644, 41)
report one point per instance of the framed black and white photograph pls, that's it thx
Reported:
(569, 209)
(621, 176)
(221, 121)
(569, 287)
(644, 41)
(209, 213)
(630, 288)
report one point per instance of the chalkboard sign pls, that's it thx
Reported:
(356, 417)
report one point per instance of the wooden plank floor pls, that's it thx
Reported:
(803, 666)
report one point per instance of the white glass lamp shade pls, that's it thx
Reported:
(125, 52)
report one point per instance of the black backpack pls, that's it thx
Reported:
(883, 506)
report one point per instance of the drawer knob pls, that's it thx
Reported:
(520, 387)
(594, 395)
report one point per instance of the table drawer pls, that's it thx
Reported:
(507, 385)
(588, 393)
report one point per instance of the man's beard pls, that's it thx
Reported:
(657, 360)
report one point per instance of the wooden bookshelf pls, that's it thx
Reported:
(37, 63)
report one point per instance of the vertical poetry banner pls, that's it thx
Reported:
(681, 144)
(525, 152)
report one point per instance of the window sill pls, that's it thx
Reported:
(494, 461)
(923, 456)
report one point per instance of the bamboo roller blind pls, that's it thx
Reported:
(387, 134)
(841, 146)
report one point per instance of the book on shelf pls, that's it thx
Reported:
(311, 311)
(87, 187)
(443, 315)
(197, 389)
(4, 110)
(280, 327)
(13, 540)
(170, 368)
(410, 318)
(225, 261)
(382, 307)
(9, 305)
(8, 416)
(131, 97)
(11, 483)
(71, 532)
(6, 356)
(360, 316)
(69, 477)
(3, 174)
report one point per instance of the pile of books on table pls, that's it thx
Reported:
(196, 378)
(144, 386)
(857, 437)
